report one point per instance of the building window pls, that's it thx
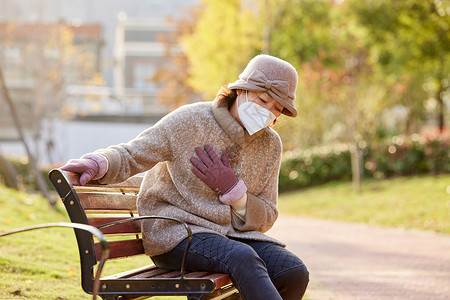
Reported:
(142, 75)
(142, 36)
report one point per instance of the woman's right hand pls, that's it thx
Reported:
(90, 167)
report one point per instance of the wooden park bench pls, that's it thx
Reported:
(112, 209)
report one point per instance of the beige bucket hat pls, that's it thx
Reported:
(276, 77)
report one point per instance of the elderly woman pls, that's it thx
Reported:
(215, 165)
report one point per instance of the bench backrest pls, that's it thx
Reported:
(96, 204)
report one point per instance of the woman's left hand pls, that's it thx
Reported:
(214, 171)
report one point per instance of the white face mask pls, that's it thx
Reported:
(253, 116)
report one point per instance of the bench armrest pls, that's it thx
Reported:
(93, 230)
(186, 226)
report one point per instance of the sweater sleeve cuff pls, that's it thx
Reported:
(234, 194)
(101, 161)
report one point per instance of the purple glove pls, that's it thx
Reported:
(91, 166)
(214, 171)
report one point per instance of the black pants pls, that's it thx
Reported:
(260, 270)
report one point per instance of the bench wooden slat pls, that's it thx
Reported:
(197, 274)
(132, 182)
(118, 249)
(219, 279)
(106, 188)
(134, 272)
(151, 273)
(129, 227)
(170, 274)
(97, 201)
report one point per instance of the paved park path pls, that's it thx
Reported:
(356, 261)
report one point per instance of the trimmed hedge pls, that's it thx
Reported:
(398, 156)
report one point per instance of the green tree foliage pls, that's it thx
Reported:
(303, 32)
(359, 61)
(302, 36)
(340, 90)
(225, 38)
(411, 40)
(340, 94)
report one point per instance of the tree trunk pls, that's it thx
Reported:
(10, 174)
(441, 112)
(356, 155)
(440, 92)
(39, 179)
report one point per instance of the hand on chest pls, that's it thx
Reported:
(244, 163)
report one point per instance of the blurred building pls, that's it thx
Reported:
(39, 60)
(139, 50)
(124, 41)
(102, 12)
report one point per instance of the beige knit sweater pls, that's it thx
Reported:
(171, 189)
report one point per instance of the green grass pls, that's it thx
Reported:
(44, 263)
(421, 202)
